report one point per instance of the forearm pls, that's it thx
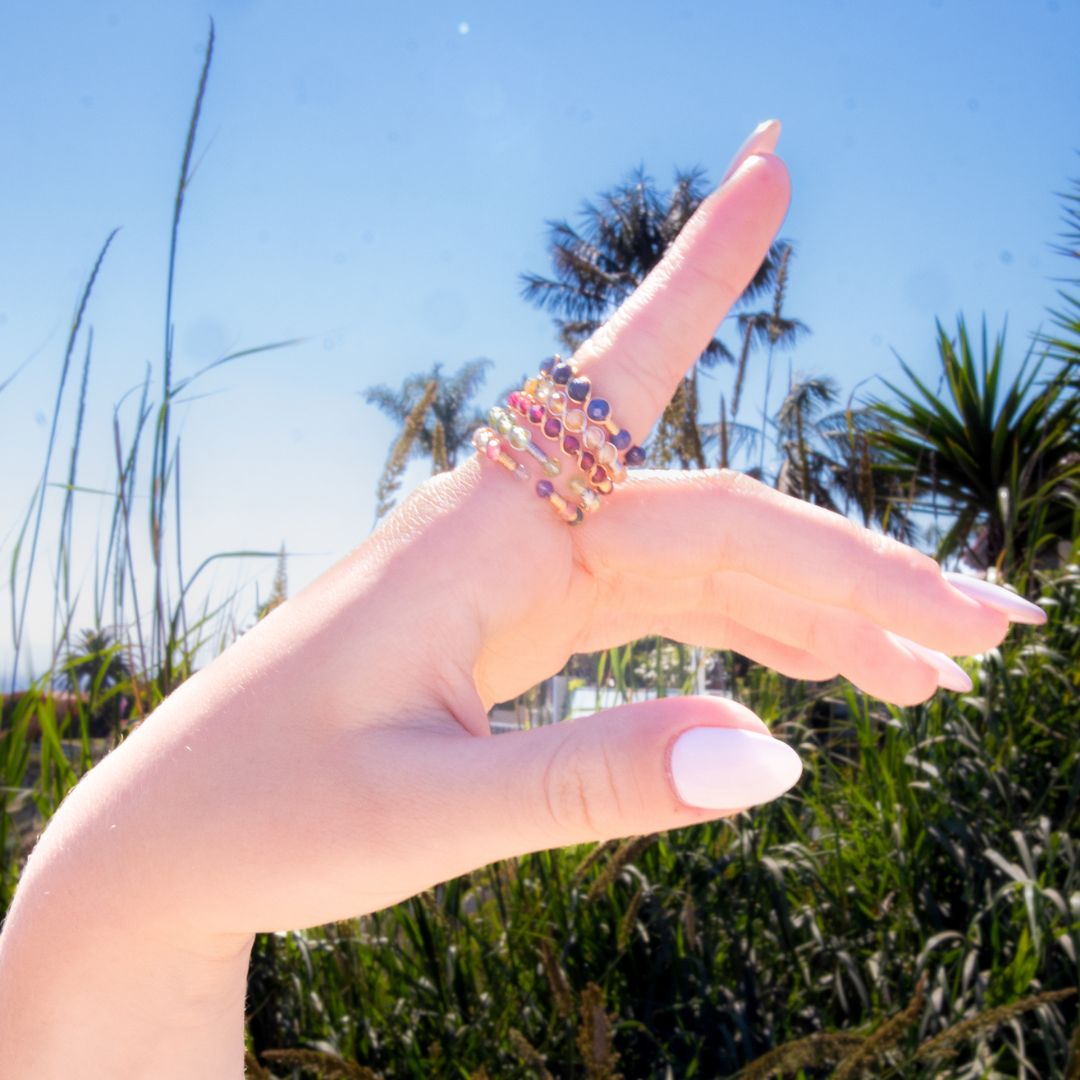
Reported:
(125, 951)
(97, 979)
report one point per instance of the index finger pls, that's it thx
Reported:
(636, 359)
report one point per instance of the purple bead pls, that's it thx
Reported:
(544, 488)
(635, 456)
(552, 427)
(599, 474)
(578, 389)
(598, 409)
(562, 374)
(536, 413)
(587, 461)
(547, 365)
(622, 440)
(571, 444)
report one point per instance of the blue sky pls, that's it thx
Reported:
(375, 178)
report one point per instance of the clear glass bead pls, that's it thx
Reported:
(556, 402)
(607, 455)
(552, 467)
(594, 438)
(505, 424)
(575, 420)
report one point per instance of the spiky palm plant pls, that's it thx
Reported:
(1007, 471)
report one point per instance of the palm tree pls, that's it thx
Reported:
(437, 421)
(1008, 472)
(450, 409)
(621, 238)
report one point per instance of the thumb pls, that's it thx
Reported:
(638, 768)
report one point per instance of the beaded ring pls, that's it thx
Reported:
(564, 378)
(560, 403)
(491, 445)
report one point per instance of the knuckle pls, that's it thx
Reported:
(580, 790)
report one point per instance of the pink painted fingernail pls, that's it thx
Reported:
(718, 768)
(762, 139)
(951, 676)
(1008, 603)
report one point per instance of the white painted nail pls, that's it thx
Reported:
(951, 676)
(719, 768)
(1016, 607)
(762, 139)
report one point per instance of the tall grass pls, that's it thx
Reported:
(156, 630)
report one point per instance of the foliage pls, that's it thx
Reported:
(441, 425)
(1008, 471)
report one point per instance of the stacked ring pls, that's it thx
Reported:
(563, 379)
(490, 443)
(560, 403)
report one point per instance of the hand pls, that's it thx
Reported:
(335, 760)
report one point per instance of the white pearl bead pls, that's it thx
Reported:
(552, 467)
(519, 438)
(504, 424)
(608, 454)
(543, 392)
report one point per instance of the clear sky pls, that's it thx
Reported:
(375, 177)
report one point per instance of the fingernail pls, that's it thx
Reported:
(1016, 607)
(951, 676)
(718, 768)
(762, 139)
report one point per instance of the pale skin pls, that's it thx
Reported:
(337, 759)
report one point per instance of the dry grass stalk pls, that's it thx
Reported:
(529, 1054)
(252, 1069)
(556, 977)
(592, 859)
(440, 462)
(688, 917)
(963, 1031)
(625, 853)
(1072, 1066)
(594, 1040)
(325, 1066)
(815, 1051)
(629, 919)
(885, 1037)
(390, 480)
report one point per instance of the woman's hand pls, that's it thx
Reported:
(337, 758)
